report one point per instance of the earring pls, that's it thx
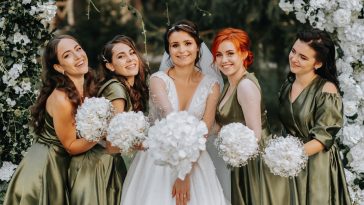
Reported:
(62, 72)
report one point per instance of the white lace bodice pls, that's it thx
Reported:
(164, 98)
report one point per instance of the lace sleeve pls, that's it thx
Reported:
(160, 106)
(249, 99)
(211, 103)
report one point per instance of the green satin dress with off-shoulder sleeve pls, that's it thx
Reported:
(41, 177)
(316, 115)
(252, 184)
(96, 177)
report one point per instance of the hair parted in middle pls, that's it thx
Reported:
(239, 38)
(185, 26)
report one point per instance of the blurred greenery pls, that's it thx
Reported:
(272, 31)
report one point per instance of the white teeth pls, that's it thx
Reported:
(131, 66)
(80, 63)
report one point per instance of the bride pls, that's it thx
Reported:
(183, 85)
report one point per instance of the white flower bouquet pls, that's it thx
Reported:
(93, 117)
(126, 130)
(285, 156)
(236, 144)
(176, 141)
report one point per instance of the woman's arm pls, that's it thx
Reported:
(314, 146)
(61, 110)
(211, 104)
(159, 96)
(249, 99)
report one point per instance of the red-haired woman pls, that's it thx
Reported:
(241, 101)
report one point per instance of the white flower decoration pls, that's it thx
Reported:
(177, 141)
(285, 156)
(93, 117)
(127, 129)
(237, 144)
(7, 170)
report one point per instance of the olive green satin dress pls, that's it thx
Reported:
(96, 177)
(316, 115)
(251, 184)
(41, 177)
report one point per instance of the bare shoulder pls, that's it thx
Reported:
(329, 87)
(247, 86)
(58, 101)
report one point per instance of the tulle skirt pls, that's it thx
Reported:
(150, 184)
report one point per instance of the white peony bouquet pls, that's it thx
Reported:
(176, 141)
(285, 156)
(93, 117)
(237, 144)
(127, 129)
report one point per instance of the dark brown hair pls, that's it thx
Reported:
(188, 27)
(139, 92)
(324, 47)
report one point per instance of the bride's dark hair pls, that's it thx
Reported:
(188, 27)
(52, 79)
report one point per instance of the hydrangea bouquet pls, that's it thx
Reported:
(177, 141)
(237, 144)
(93, 117)
(127, 129)
(285, 156)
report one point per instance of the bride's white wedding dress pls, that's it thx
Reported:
(150, 184)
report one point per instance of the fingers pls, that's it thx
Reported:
(181, 190)
(174, 191)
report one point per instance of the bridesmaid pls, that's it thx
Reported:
(241, 101)
(41, 177)
(97, 176)
(311, 109)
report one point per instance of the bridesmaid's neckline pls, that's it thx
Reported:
(302, 91)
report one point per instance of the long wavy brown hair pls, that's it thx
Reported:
(52, 79)
(139, 92)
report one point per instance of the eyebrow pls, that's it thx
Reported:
(123, 52)
(225, 51)
(299, 53)
(67, 51)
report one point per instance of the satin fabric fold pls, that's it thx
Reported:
(316, 115)
(252, 184)
(96, 177)
(41, 177)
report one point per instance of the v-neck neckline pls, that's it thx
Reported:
(302, 91)
(220, 106)
(193, 95)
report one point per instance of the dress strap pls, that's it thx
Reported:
(104, 86)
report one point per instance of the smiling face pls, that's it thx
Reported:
(228, 59)
(183, 49)
(72, 59)
(302, 59)
(124, 61)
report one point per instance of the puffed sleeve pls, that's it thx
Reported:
(115, 90)
(328, 118)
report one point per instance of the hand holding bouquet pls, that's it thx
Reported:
(236, 144)
(93, 117)
(177, 141)
(285, 156)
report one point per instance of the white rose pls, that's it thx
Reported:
(342, 17)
